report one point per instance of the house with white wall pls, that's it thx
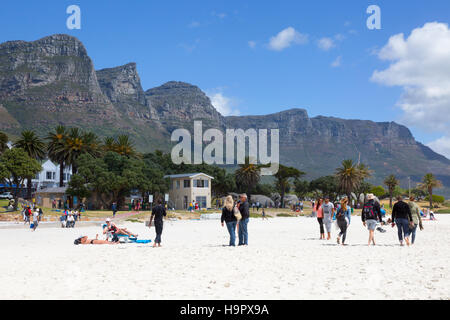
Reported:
(185, 188)
(49, 176)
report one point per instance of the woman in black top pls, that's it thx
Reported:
(229, 218)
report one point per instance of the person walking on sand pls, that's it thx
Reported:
(158, 213)
(263, 213)
(229, 219)
(328, 209)
(114, 209)
(35, 220)
(319, 212)
(343, 217)
(417, 219)
(243, 207)
(401, 215)
(370, 215)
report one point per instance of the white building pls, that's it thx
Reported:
(49, 176)
(185, 188)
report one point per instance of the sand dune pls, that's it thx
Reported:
(283, 261)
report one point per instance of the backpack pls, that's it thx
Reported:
(369, 212)
(237, 213)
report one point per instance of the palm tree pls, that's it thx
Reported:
(34, 147)
(248, 175)
(3, 142)
(282, 179)
(391, 182)
(349, 177)
(56, 151)
(109, 144)
(77, 143)
(124, 146)
(430, 182)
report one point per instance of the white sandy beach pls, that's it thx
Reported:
(283, 261)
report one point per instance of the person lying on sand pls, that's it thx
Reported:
(111, 227)
(85, 240)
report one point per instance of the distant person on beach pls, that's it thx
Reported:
(41, 213)
(319, 213)
(229, 219)
(264, 214)
(343, 217)
(158, 213)
(401, 216)
(85, 240)
(35, 220)
(114, 209)
(328, 209)
(243, 224)
(417, 219)
(370, 216)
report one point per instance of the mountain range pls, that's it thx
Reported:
(53, 81)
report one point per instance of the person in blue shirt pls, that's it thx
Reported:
(343, 217)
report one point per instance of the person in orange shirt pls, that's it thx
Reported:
(319, 212)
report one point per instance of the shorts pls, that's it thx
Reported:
(371, 224)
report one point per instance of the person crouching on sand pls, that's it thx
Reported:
(85, 240)
(114, 230)
(371, 214)
(343, 217)
(229, 218)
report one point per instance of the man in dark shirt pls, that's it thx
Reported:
(401, 215)
(158, 213)
(244, 209)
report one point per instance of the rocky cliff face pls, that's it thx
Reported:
(122, 86)
(52, 81)
(182, 101)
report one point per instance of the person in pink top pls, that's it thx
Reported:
(319, 212)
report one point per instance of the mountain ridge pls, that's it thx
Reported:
(54, 78)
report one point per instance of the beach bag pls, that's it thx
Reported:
(368, 211)
(237, 213)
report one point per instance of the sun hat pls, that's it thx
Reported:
(370, 196)
(108, 220)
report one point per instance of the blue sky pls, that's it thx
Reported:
(224, 48)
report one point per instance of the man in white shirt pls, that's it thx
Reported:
(328, 209)
(35, 219)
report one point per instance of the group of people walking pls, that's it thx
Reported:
(406, 216)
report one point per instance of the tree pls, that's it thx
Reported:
(77, 143)
(34, 147)
(56, 151)
(301, 188)
(327, 185)
(3, 142)
(16, 166)
(378, 191)
(283, 177)
(391, 182)
(247, 176)
(429, 182)
(350, 176)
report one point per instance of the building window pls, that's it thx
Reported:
(201, 202)
(178, 184)
(187, 183)
(201, 183)
(49, 175)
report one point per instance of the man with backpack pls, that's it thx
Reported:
(371, 215)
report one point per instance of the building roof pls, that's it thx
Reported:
(187, 175)
(53, 190)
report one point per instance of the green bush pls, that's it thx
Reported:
(378, 191)
(436, 199)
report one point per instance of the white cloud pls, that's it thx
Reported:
(252, 44)
(286, 38)
(325, 44)
(337, 63)
(441, 146)
(420, 65)
(194, 24)
(223, 104)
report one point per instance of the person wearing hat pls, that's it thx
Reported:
(371, 215)
(114, 230)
